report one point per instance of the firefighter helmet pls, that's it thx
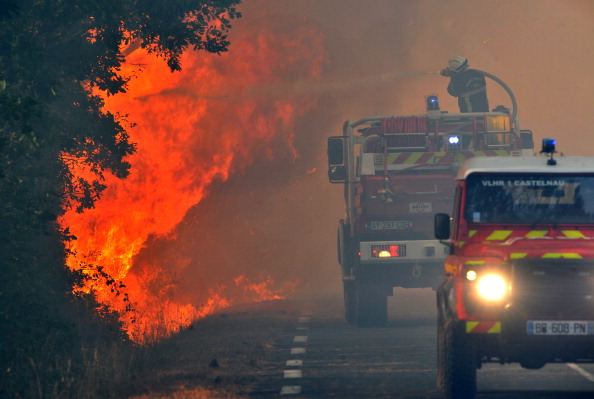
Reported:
(458, 63)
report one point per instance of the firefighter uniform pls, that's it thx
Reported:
(471, 89)
(467, 84)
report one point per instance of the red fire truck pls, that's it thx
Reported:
(398, 171)
(519, 277)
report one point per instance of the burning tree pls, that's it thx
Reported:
(54, 58)
(195, 127)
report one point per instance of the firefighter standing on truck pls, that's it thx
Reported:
(467, 84)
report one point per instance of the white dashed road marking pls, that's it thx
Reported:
(581, 371)
(290, 390)
(297, 351)
(293, 374)
(296, 372)
(294, 363)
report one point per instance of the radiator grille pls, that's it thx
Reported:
(559, 288)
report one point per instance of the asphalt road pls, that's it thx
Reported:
(324, 357)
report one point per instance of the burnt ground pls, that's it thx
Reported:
(218, 357)
(229, 354)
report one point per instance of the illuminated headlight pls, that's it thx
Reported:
(454, 140)
(491, 287)
(471, 275)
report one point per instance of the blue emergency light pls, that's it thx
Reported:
(548, 146)
(432, 103)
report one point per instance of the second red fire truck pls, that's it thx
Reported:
(397, 172)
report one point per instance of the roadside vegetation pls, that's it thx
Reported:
(54, 55)
(222, 356)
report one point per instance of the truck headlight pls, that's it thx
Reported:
(492, 287)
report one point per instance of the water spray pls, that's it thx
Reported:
(298, 87)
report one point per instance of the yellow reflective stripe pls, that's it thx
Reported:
(459, 157)
(496, 329)
(401, 157)
(566, 255)
(499, 235)
(536, 234)
(471, 233)
(484, 153)
(518, 255)
(413, 157)
(435, 158)
(573, 234)
(470, 325)
(474, 262)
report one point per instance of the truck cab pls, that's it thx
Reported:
(518, 282)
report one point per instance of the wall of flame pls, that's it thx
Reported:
(193, 128)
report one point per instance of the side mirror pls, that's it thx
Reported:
(335, 151)
(442, 226)
(337, 172)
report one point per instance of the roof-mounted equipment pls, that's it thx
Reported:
(548, 147)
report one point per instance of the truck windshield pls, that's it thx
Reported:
(529, 198)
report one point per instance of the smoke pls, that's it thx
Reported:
(540, 49)
(261, 222)
(231, 167)
(278, 217)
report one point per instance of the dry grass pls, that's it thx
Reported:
(218, 357)
(190, 393)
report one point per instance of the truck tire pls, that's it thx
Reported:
(456, 363)
(371, 305)
(350, 302)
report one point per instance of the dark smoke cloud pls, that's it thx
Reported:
(278, 216)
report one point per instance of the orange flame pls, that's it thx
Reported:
(193, 127)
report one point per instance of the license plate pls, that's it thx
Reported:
(389, 225)
(561, 327)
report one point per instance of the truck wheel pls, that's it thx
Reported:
(372, 305)
(456, 363)
(350, 302)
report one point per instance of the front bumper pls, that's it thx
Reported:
(506, 342)
(402, 251)
(548, 317)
